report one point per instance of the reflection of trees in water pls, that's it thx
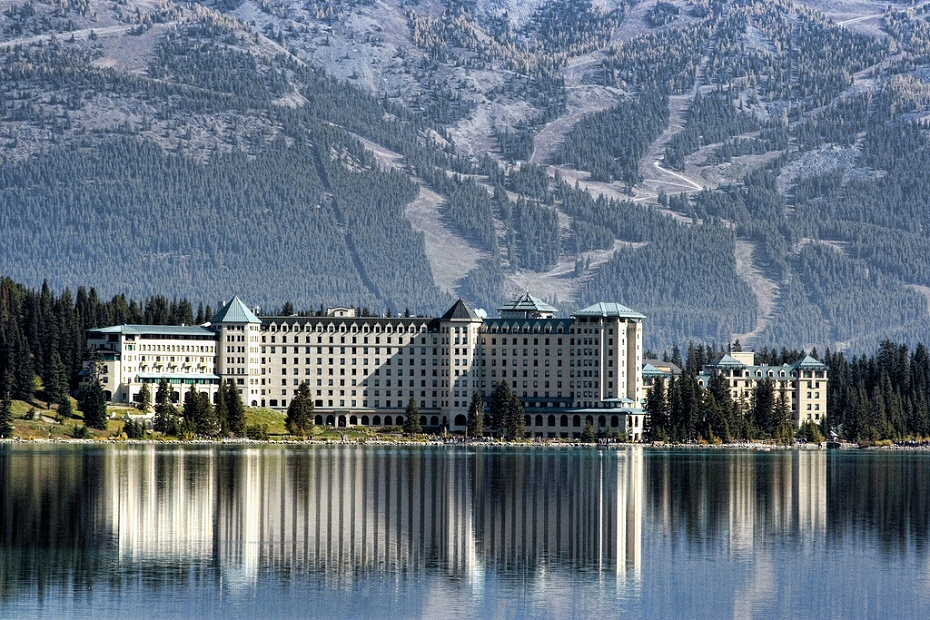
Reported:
(711, 497)
(880, 495)
(51, 517)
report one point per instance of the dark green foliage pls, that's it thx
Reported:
(662, 13)
(481, 286)
(134, 429)
(763, 407)
(214, 67)
(6, 406)
(145, 398)
(199, 414)
(299, 420)
(470, 209)
(711, 118)
(567, 24)
(499, 405)
(166, 415)
(810, 433)
(64, 409)
(657, 412)
(536, 241)
(514, 419)
(588, 434)
(221, 408)
(56, 388)
(882, 396)
(667, 60)
(257, 432)
(235, 411)
(92, 401)
(412, 424)
(476, 416)
(515, 145)
(609, 144)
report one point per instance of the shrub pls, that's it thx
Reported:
(258, 432)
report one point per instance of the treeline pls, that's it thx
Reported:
(881, 396)
(683, 411)
(43, 334)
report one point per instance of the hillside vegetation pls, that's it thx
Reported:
(217, 148)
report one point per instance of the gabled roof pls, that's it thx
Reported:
(728, 360)
(235, 312)
(808, 363)
(609, 309)
(460, 310)
(526, 303)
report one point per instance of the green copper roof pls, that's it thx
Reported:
(157, 330)
(235, 312)
(808, 363)
(526, 303)
(728, 360)
(651, 371)
(610, 309)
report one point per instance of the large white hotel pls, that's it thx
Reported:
(363, 370)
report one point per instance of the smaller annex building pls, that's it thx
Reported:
(804, 383)
(363, 370)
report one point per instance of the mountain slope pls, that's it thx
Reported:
(396, 154)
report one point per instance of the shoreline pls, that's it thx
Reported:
(745, 446)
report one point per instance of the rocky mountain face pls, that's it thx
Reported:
(734, 170)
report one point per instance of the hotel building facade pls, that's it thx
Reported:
(363, 370)
(803, 383)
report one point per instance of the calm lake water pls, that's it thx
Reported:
(144, 531)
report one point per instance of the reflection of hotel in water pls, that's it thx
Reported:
(737, 499)
(348, 512)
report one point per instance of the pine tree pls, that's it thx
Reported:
(499, 404)
(222, 413)
(166, 416)
(657, 412)
(588, 434)
(199, 413)
(299, 420)
(56, 388)
(92, 401)
(235, 411)
(412, 422)
(6, 405)
(514, 419)
(476, 416)
(763, 407)
(145, 395)
(64, 408)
